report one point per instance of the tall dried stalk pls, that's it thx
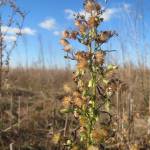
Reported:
(14, 18)
(95, 84)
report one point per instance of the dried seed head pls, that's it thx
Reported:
(82, 58)
(112, 87)
(99, 56)
(99, 134)
(89, 6)
(93, 21)
(104, 36)
(65, 34)
(88, 55)
(134, 147)
(67, 88)
(78, 102)
(75, 77)
(92, 148)
(67, 48)
(64, 42)
(82, 65)
(78, 23)
(79, 56)
(76, 94)
(73, 35)
(66, 101)
(98, 7)
(82, 28)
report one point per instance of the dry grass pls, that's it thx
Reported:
(29, 108)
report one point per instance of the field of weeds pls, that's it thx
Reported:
(30, 113)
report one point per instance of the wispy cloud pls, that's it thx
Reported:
(126, 7)
(11, 30)
(108, 14)
(57, 33)
(70, 13)
(10, 38)
(28, 31)
(48, 24)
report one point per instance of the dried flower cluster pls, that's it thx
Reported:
(95, 84)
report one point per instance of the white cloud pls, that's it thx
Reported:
(12, 30)
(70, 13)
(28, 31)
(106, 15)
(10, 38)
(56, 33)
(126, 7)
(48, 24)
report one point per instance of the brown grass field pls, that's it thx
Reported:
(29, 108)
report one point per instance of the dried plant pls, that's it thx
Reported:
(10, 22)
(95, 84)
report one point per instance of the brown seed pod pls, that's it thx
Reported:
(88, 55)
(65, 34)
(67, 88)
(112, 86)
(64, 42)
(93, 21)
(78, 102)
(79, 56)
(66, 101)
(82, 65)
(89, 6)
(98, 7)
(73, 35)
(99, 57)
(74, 78)
(99, 134)
(92, 6)
(78, 23)
(91, 147)
(82, 28)
(76, 94)
(104, 36)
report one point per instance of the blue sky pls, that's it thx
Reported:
(46, 19)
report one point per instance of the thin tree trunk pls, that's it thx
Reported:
(11, 111)
(148, 132)
(11, 146)
(1, 55)
(19, 111)
(66, 124)
(118, 113)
